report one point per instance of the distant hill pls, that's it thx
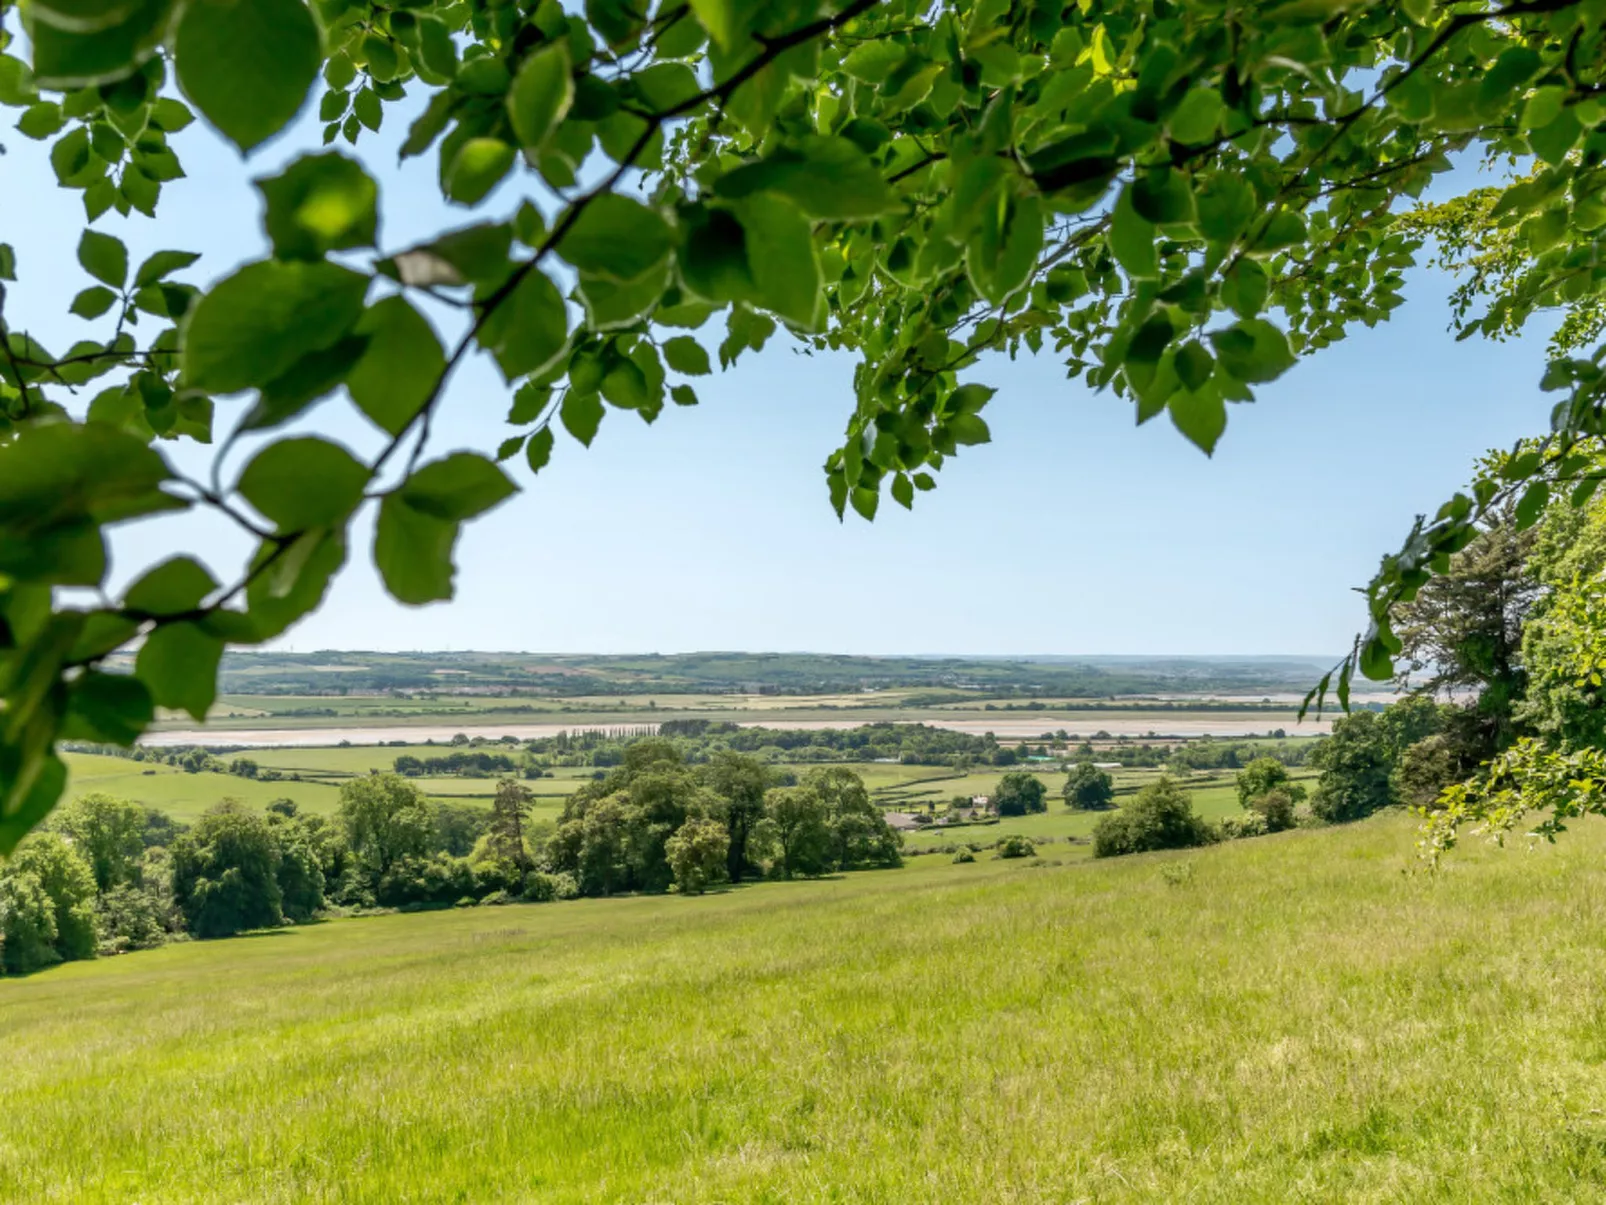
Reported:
(569, 675)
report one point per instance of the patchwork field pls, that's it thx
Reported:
(1290, 1018)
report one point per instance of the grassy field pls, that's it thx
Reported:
(322, 770)
(1292, 1019)
(185, 796)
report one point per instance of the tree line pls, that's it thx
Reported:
(108, 876)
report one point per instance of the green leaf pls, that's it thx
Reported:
(969, 429)
(413, 552)
(1285, 229)
(401, 367)
(727, 21)
(457, 487)
(111, 708)
(479, 166)
(903, 491)
(780, 255)
(1201, 416)
(610, 305)
(1132, 240)
(61, 473)
(295, 582)
(161, 265)
(529, 403)
(1194, 365)
(436, 47)
(541, 94)
(1245, 288)
(683, 395)
(320, 203)
(174, 587)
(383, 61)
(625, 385)
(313, 376)
(1253, 351)
(104, 257)
(1552, 142)
(1196, 119)
(65, 58)
(582, 415)
(687, 356)
(41, 120)
(1376, 663)
(70, 157)
(93, 302)
(530, 329)
(304, 483)
(247, 65)
(254, 326)
(472, 254)
(1226, 206)
(538, 451)
(29, 788)
(826, 177)
(617, 237)
(365, 107)
(178, 665)
(1163, 196)
(1004, 249)
(1532, 504)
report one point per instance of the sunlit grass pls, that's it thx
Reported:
(1294, 1020)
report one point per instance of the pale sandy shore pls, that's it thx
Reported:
(1014, 726)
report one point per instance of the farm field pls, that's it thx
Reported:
(1289, 1018)
(320, 771)
(273, 720)
(182, 795)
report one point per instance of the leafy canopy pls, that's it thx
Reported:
(1177, 198)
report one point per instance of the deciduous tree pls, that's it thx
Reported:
(1088, 788)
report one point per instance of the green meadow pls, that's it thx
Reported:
(1286, 1019)
(183, 795)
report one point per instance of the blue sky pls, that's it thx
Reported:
(1072, 532)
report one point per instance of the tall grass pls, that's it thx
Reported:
(1296, 1020)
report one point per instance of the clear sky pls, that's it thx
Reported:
(1072, 532)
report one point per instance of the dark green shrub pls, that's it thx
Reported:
(1015, 846)
(1160, 816)
(541, 887)
(414, 882)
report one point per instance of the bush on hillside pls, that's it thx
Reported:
(964, 855)
(415, 882)
(1015, 846)
(1160, 816)
(1275, 809)
(1250, 824)
(541, 887)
